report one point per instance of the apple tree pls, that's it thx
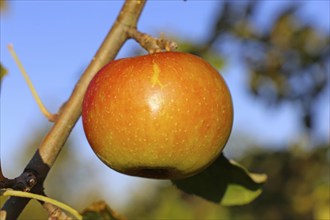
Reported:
(277, 60)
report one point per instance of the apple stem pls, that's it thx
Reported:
(151, 44)
(43, 109)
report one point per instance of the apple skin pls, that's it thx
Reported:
(166, 115)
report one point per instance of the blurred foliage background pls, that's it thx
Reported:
(287, 62)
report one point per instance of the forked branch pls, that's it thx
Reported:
(45, 156)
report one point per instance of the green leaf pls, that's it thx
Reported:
(224, 182)
(210, 55)
(100, 211)
(215, 59)
(3, 72)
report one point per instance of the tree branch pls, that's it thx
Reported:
(151, 44)
(52, 144)
(55, 212)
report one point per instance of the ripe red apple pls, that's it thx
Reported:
(162, 115)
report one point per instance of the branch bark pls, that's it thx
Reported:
(50, 147)
(149, 43)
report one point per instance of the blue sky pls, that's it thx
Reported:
(55, 40)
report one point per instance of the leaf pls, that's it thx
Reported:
(3, 72)
(215, 59)
(100, 211)
(224, 182)
(212, 56)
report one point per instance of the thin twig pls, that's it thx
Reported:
(51, 117)
(52, 144)
(61, 205)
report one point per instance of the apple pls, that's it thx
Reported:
(165, 115)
